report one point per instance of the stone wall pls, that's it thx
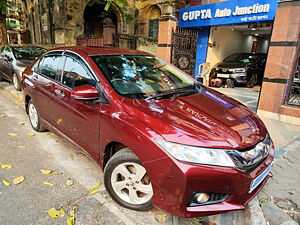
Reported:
(61, 22)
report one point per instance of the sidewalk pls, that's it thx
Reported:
(284, 188)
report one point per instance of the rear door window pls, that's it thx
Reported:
(76, 73)
(49, 66)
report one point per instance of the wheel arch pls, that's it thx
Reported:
(110, 149)
(27, 99)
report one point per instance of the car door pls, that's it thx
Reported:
(44, 79)
(78, 120)
(6, 63)
(1, 61)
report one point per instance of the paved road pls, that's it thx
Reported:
(27, 203)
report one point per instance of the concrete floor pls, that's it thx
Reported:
(247, 96)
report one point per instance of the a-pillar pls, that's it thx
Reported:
(166, 25)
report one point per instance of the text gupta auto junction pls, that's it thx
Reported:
(207, 14)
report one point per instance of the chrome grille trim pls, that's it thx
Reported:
(247, 160)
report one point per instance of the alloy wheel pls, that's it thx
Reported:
(33, 115)
(131, 183)
(16, 82)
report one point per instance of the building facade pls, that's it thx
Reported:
(266, 27)
(86, 22)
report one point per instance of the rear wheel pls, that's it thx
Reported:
(16, 82)
(252, 80)
(34, 117)
(127, 182)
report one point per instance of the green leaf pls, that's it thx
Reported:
(54, 213)
(121, 3)
(107, 5)
(5, 182)
(263, 200)
(94, 188)
(71, 219)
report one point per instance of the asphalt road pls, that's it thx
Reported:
(28, 202)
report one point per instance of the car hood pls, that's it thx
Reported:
(233, 65)
(24, 63)
(207, 119)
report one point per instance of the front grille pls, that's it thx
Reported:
(248, 159)
(224, 70)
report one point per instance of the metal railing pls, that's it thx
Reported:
(294, 91)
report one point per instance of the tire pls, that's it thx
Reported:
(252, 80)
(126, 181)
(34, 117)
(16, 82)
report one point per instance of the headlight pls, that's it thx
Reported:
(239, 70)
(208, 156)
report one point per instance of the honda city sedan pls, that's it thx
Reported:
(14, 60)
(161, 138)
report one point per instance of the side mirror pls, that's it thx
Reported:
(85, 92)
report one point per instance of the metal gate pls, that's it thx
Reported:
(184, 45)
(294, 92)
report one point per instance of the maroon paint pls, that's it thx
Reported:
(199, 120)
(84, 92)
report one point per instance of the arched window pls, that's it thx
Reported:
(154, 14)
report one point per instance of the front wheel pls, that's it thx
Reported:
(34, 117)
(252, 80)
(16, 82)
(127, 182)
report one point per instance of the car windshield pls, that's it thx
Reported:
(141, 76)
(241, 57)
(28, 53)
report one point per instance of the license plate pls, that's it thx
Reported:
(221, 75)
(260, 178)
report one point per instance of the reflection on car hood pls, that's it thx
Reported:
(233, 65)
(24, 63)
(208, 119)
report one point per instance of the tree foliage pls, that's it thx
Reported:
(3, 9)
(120, 3)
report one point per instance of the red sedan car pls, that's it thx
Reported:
(162, 138)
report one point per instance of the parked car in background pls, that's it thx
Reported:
(161, 138)
(242, 68)
(14, 59)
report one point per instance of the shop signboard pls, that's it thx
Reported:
(228, 12)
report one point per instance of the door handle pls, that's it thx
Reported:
(35, 77)
(59, 92)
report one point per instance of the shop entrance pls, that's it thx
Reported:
(239, 53)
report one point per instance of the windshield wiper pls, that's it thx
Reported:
(171, 92)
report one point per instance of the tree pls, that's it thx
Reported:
(3, 32)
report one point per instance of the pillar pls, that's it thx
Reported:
(281, 65)
(202, 45)
(108, 32)
(166, 25)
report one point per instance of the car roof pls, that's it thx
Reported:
(24, 46)
(102, 51)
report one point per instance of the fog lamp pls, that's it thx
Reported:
(201, 197)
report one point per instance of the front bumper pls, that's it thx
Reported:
(238, 78)
(174, 184)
